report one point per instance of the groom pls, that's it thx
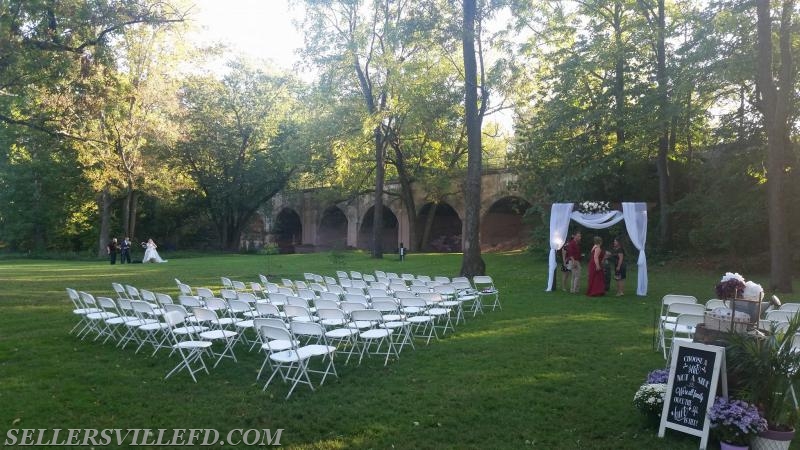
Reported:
(125, 251)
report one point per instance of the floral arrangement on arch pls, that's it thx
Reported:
(733, 285)
(735, 421)
(593, 207)
(649, 398)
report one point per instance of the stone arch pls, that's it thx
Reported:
(445, 230)
(288, 230)
(390, 224)
(503, 226)
(332, 231)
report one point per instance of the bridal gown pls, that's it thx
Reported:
(151, 255)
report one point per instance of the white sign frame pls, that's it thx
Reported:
(718, 374)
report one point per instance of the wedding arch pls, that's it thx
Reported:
(635, 216)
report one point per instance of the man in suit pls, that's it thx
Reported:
(125, 251)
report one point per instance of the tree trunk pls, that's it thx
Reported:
(775, 105)
(407, 196)
(664, 125)
(426, 232)
(129, 213)
(377, 213)
(104, 206)
(472, 264)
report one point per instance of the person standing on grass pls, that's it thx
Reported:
(564, 268)
(574, 260)
(125, 251)
(597, 285)
(111, 249)
(620, 271)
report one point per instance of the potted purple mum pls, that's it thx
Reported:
(735, 423)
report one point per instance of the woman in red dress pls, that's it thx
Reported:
(597, 284)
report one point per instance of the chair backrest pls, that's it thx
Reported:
(392, 276)
(368, 278)
(354, 290)
(675, 298)
(676, 309)
(404, 294)
(418, 282)
(407, 277)
(482, 281)
(349, 307)
(340, 274)
(373, 316)
(332, 314)
(329, 296)
(385, 305)
(356, 275)
(206, 315)
(148, 296)
(267, 309)
(285, 290)
(287, 283)
(420, 289)
(335, 289)
(143, 309)
(269, 322)
(185, 289)
(424, 278)
(356, 298)
(257, 289)
(277, 299)
(780, 315)
(204, 292)
(714, 303)
(238, 307)
(173, 308)
(120, 290)
(325, 304)
(173, 318)
(307, 294)
(308, 276)
(75, 298)
(345, 282)
(380, 274)
(431, 297)
(133, 293)
(217, 304)
(375, 292)
(292, 300)
(308, 329)
(359, 284)
(396, 285)
(299, 284)
(329, 280)
(442, 279)
(687, 320)
(125, 305)
(226, 282)
(189, 301)
(107, 304)
(271, 333)
(247, 297)
(379, 285)
(457, 279)
(263, 279)
(414, 302)
(163, 299)
(239, 285)
(297, 312)
(318, 288)
(790, 307)
(271, 288)
(445, 289)
(88, 299)
(228, 294)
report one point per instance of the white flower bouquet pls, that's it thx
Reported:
(649, 399)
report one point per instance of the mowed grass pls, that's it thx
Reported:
(551, 370)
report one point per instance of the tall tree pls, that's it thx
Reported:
(240, 143)
(776, 85)
(472, 264)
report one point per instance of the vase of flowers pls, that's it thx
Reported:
(746, 295)
(735, 423)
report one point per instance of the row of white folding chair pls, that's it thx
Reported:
(672, 306)
(227, 283)
(777, 317)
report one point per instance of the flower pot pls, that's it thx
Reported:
(773, 440)
(726, 446)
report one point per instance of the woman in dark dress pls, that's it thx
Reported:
(597, 285)
(620, 270)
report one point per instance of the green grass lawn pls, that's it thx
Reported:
(551, 370)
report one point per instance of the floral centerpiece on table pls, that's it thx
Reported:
(735, 421)
(649, 399)
(733, 286)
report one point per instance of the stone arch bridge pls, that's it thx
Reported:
(307, 221)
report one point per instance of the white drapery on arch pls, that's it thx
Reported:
(635, 216)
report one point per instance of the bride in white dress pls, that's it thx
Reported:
(150, 254)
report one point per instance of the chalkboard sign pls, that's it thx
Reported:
(694, 374)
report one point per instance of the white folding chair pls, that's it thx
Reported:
(683, 330)
(673, 311)
(373, 333)
(216, 332)
(154, 331)
(422, 324)
(313, 339)
(486, 289)
(269, 346)
(291, 364)
(190, 351)
(80, 310)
